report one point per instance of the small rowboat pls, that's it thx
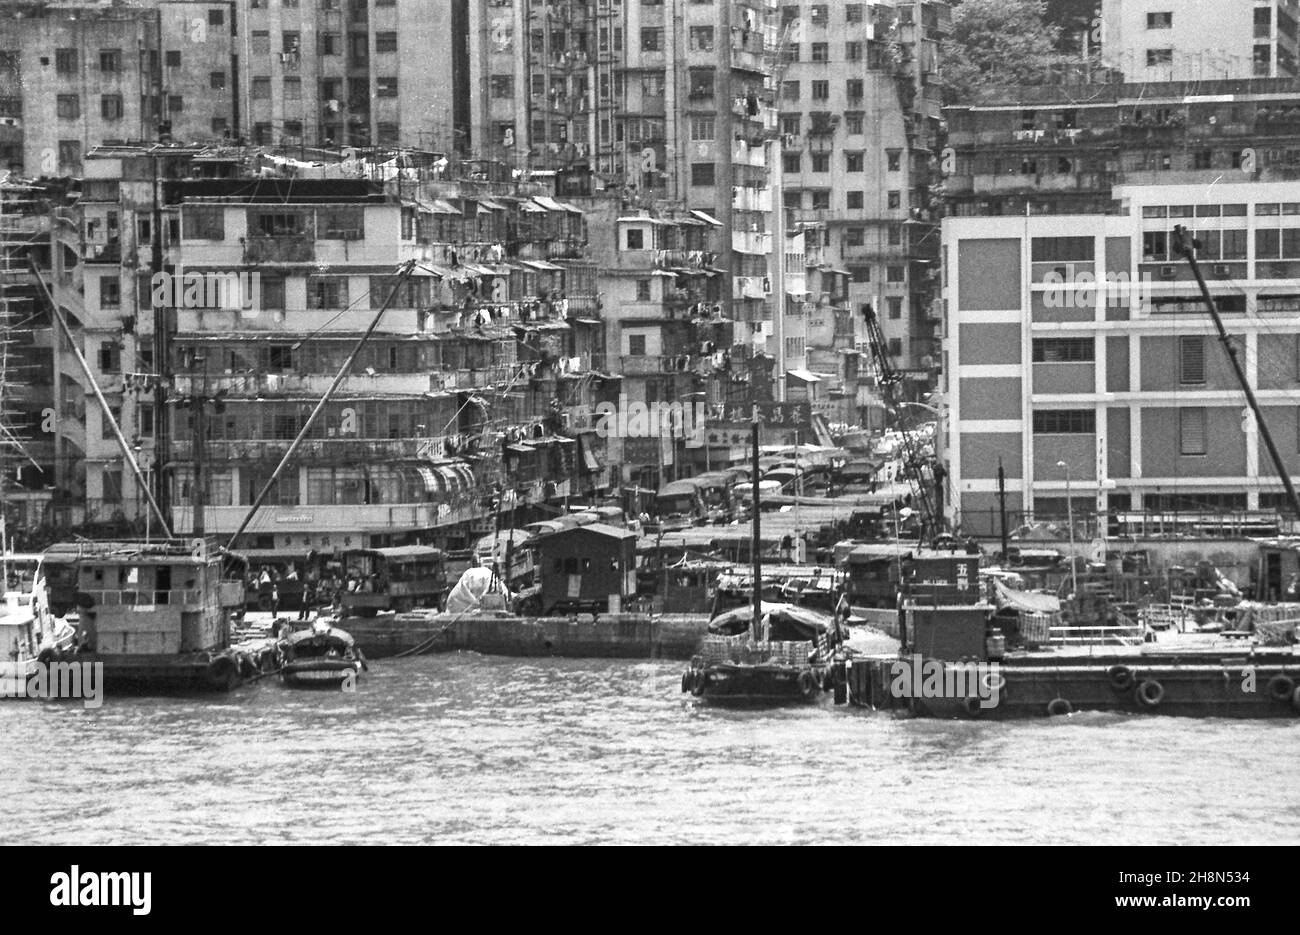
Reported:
(322, 657)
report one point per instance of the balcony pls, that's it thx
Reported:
(312, 385)
(298, 248)
(642, 365)
(110, 252)
(326, 450)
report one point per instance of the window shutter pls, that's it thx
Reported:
(1192, 431)
(1191, 360)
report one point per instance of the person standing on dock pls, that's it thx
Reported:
(308, 598)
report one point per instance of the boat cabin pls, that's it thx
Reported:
(588, 568)
(143, 598)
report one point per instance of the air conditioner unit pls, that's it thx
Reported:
(1168, 272)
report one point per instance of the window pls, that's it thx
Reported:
(894, 274)
(702, 173)
(1065, 421)
(331, 43)
(702, 129)
(821, 200)
(821, 162)
(854, 201)
(652, 39)
(110, 106)
(1061, 249)
(262, 88)
(820, 52)
(1155, 245)
(895, 234)
(386, 87)
(853, 51)
(292, 90)
(272, 292)
(853, 12)
(853, 123)
(1191, 361)
(791, 162)
(894, 159)
(385, 42)
(789, 90)
(853, 89)
(175, 103)
(70, 156)
(895, 346)
(860, 274)
(203, 223)
(1191, 431)
(1160, 57)
(643, 290)
(69, 106)
(702, 38)
(853, 162)
(895, 304)
(327, 292)
(821, 90)
(110, 292)
(1160, 21)
(895, 199)
(1063, 350)
(636, 345)
(855, 236)
(217, 80)
(65, 61)
(173, 58)
(795, 347)
(110, 60)
(289, 41)
(791, 124)
(636, 239)
(216, 17)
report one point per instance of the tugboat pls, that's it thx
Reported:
(156, 615)
(770, 654)
(321, 657)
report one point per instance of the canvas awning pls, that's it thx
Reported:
(807, 376)
(706, 218)
(549, 204)
(1026, 601)
(439, 206)
(542, 265)
(490, 205)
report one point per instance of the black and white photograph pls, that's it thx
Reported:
(650, 422)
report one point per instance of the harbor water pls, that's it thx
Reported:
(470, 749)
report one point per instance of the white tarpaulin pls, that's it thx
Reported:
(467, 595)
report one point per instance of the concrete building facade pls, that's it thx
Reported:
(1199, 40)
(1126, 383)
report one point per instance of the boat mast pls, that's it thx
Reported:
(404, 273)
(127, 453)
(756, 543)
(1185, 245)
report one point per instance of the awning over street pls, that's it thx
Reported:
(706, 218)
(807, 376)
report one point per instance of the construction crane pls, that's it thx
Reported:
(888, 380)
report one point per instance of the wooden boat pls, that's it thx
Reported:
(792, 660)
(27, 632)
(769, 653)
(321, 657)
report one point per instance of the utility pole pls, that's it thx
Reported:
(756, 541)
(1002, 507)
(161, 360)
(1187, 246)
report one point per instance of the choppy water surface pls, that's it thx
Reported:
(465, 748)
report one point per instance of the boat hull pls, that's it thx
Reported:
(320, 673)
(737, 684)
(1220, 688)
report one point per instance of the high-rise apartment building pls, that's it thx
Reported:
(75, 75)
(652, 100)
(859, 107)
(1200, 40)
